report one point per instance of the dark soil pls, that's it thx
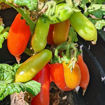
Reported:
(57, 97)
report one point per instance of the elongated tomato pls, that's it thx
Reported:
(84, 73)
(60, 32)
(18, 37)
(32, 66)
(57, 76)
(44, 78)
(72, 78)
(50, 35)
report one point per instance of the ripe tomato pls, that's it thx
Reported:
(84, 73)
(57, 76)
(72, 78)
(44, 78)
(18, 37)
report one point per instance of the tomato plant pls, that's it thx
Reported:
(56, 23)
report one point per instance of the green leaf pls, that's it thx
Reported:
(6, 73)
(8, 89)
(100, 24)
(7, 85)
(15, 67)
(25, 13)
(32, 87)
(76, 2)
(31, 4)
(83, 3)
(98, 10)
(3, 33)
(73, 35)
(98, 1)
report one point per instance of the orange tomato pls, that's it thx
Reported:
(72, 77)
(60, 32)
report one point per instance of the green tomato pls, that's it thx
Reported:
(32, 66)
(39, 39)
(84, 27)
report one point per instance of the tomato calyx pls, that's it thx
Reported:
(66, 52)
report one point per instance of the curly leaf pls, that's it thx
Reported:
(7, 85)
(32, 87)
(2, 38)
(25, 13)
(99, 24)
(6, 73)
(98, 10)
(31, 4)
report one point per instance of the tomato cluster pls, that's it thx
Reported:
(66, 75)
(63, 77)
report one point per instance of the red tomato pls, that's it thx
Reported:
(44, 78)
(84, 73)
(57, 76)
(50, 35)
(18, 37)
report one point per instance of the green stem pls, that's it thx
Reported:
(28, 52)
(6, 29)
(75, 50)
(68, 51)
(25, 15)
(69, 2)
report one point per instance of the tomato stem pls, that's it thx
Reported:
(28, 52)
(69, 2)
(24, 14)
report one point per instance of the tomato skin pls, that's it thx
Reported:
(72, 78)
(44, 78)
(39, 38)
(84, 73)
(18, 37)
(60, 32)
(57, 76)
(50, 35)
(32, 66)
(84, 27)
